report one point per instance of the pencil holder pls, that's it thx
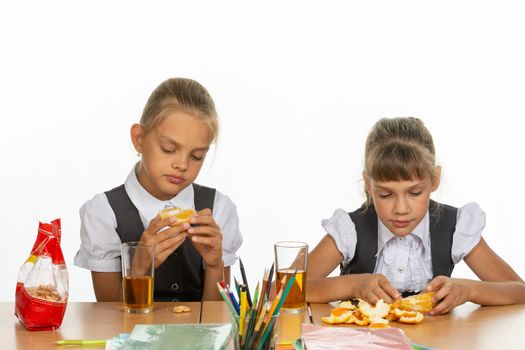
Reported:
(253, 333)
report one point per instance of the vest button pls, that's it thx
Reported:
(175, 286)
(400, 269)
(174, 255)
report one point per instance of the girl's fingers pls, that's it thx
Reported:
(157, 224)
(204, 220)
(166, 234)
(443, 307)
(204, 212)
(212, 242)
(372, 298)
(381, 294)
(167, 246)
(392, 293)
(436, 283)
(441, 293)
(204, 231)
(173, 231)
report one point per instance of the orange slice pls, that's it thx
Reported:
(182, 215)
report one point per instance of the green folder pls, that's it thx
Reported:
(178, 336)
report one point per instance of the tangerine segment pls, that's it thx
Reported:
(420, 302)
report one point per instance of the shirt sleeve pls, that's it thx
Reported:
(100, 244)
(342, 229)
(469, 225)
(225, 214)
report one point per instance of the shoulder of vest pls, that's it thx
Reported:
(116, 189)
(197, 187)
(436, 208)
(362, 211)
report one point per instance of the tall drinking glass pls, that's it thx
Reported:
(138, 266)
(291, 257)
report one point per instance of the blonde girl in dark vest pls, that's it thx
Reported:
(400, 242)
(177, 127)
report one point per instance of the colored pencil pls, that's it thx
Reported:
(277, 309)
(227, 299)
(245, 281)
(82, 342)
(234, 301)
(253, 316)
(244, 305)
(270, 277)
(237, 287)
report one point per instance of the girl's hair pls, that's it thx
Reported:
(399, 149)
(181, 94)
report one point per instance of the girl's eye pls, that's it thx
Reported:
(194, 157)
(384, 195)
(415, 194)
(167, 150)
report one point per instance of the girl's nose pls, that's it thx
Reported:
(180, 162)
(401, 206)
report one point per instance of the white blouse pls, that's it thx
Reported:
(100, 244)
(406, 261)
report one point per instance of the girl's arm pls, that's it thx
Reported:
(500, 284)
(107, 285)
(211, 277)
(321, 289)
(322, 261)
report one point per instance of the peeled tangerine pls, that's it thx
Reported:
(420, 302)
(182, 215)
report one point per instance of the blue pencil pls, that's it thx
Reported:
(234, 301)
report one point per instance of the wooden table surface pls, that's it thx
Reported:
(467, 327)
(87, 321)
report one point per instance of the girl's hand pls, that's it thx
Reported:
(206, 238)
(166, 241)
(450, 292)
(372, 287)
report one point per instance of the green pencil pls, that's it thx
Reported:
(227, 300)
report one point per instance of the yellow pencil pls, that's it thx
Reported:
(244, 302)
(82, 342)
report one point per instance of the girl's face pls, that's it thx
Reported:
(172, 153)
(401, 205)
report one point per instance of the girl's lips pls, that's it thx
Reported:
(174, 179)
(400, 223)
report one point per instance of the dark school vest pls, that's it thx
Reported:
(181, 275)
(442, 226)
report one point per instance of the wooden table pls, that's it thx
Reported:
(467, 327)
(87, 321)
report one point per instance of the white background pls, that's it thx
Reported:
(297, 85)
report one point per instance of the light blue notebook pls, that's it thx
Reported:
(177, 336)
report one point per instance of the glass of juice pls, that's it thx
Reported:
(291, 258)
(138, 266)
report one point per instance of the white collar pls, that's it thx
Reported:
(148, 205)
(421, 231)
